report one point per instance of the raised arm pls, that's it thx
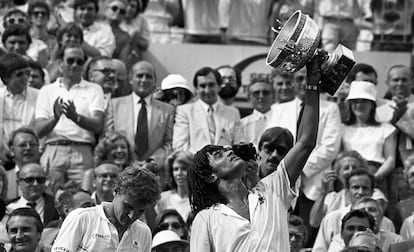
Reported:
(296, 158)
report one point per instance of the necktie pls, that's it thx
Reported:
(141, 136)
(31, 204)
(211, 124)
(299, 119)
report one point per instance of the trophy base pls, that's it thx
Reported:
(335, 69)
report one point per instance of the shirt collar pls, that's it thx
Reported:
(260, 115)
(22, 94)
(81, 83)
(136, 99)
(206, 106)
(39, 201)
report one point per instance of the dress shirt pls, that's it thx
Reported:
(207, 106)
(254, 125)
(22, 202)
(88, 98)
(14, 113)
(137, 107)
(100, 36)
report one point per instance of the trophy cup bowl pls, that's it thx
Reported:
(297, 42)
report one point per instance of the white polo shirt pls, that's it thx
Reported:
(88, 97)
(88, 229)
(220, 229)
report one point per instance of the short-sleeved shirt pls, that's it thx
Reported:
(368, 141)
(88, 229)
(100, 36)
(88, 97)
(220, 229)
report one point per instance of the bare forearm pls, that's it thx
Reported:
(308, 128)
(385, 168)
(317, 212)
(45, 126)
(90, 50)
(91, 124)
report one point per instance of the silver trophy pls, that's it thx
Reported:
(297, 42)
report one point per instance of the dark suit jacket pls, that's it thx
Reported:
(50, 212)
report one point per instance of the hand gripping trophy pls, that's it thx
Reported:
(297, 42)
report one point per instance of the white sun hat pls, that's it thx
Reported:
(167, 236)
(362, 90)
(176, 81)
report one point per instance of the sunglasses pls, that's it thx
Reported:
(40, 13)
(166, 225)
(115, 8)
(16, 20)
(299, 78)
(28, 144)
(107, 175)
(31, 180)
(106, 71)
(78, 61)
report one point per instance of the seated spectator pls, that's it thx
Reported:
(177, 165)
(361, 184)
(31, 181)
(34, 48)
(105, 176)
(123, 87)
(114, 14)
(374, 208)
(352, 222)
(66, 200)
(297, 233)
(167, 240)
(170, 219)
(36, 78)
(340, 197)
(24, 149)
(25, 229)
(69, 33)
(366, 240)
(376, 142)
(406, 206)
(113, 148)
(175, 90)
(138, 29)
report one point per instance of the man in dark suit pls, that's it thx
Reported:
(146, 122)
(31, 180)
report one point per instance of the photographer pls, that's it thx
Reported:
(229, 217)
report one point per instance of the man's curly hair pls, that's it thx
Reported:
(139, 184)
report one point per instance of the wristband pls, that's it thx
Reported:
(78, 118)
(312, 87)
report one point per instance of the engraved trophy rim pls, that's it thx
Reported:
(295, 43)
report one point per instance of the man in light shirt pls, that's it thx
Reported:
(69, 113)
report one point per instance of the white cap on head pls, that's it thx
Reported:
(167, 236)
(176, 81)
(362, 90)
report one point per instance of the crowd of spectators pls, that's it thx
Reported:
(95, 157)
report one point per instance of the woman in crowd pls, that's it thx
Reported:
(114, 14)
(175, 90)
(113, 148)
(39, 13)
(170, 219)
(376, 142)
(177, 165)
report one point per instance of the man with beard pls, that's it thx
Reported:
(69, 113)
(105, 176)
(24, 228)
(98, 36)
(24, 148)
(113, 226)
(231, 82)
(31, 180)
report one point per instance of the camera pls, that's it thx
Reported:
(245, 151)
